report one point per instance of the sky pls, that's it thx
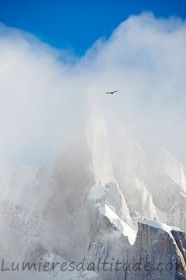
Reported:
(76, 25)
(55, 55)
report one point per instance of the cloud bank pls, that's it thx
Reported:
(44, 92)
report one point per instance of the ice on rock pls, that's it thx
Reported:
(153, 243)
(119, 225)
(110, 195)
(168, 190)
(133, 174)
(97, 139)
(173, 168)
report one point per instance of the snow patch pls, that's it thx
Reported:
(159, 225)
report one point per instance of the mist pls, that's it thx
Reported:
(45, 93)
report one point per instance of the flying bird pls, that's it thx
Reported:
(111, 92)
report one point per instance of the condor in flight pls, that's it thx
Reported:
(111, 92)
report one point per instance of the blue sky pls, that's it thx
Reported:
(76, 25)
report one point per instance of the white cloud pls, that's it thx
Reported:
(43, 92)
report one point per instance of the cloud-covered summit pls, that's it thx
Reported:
(43, 92)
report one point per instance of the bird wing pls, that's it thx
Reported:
(111, 92)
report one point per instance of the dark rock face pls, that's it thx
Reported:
(180, 240)
(160, 253)
(156, 254)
